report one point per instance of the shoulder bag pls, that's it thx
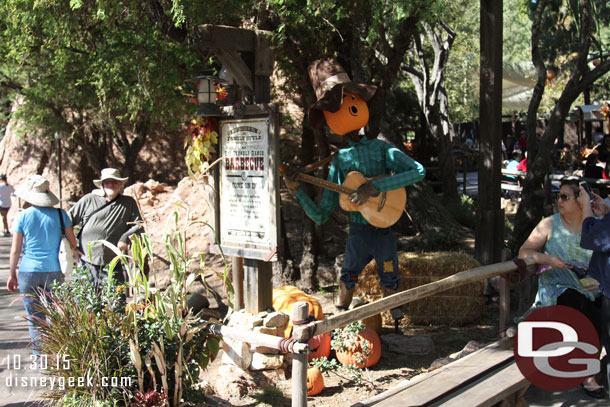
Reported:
(66, 253)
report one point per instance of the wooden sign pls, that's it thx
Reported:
(248, 186)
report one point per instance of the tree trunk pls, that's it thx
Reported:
(432, 96)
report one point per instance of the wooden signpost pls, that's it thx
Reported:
(247, 197)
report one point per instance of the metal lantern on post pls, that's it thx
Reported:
(207, 94)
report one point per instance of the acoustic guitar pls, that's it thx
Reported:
(381, 211)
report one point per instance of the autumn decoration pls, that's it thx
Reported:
(315, 381)
(357, 345)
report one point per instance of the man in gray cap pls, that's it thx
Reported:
(105, 214)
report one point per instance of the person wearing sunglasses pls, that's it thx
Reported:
(555, 245)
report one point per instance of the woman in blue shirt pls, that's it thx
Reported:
(37, 230)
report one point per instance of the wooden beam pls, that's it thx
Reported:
(489, 239)
(429, 386)
(403, 297)
(209, 36)
(239, 333)
(237, 67)
(263, 55)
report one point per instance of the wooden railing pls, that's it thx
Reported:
(301, 334)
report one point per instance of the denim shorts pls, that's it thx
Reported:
(30, 284)
(364, 243)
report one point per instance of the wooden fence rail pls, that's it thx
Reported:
(304, 332)
(259, 339)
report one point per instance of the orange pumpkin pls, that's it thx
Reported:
(284, 299)
(375, 323)
(320, 346)
(315, 381)
(351, 355)
(352, 115)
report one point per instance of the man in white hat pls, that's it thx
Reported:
(105, 214)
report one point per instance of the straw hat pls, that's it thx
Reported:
(329, 79)
(35, 190)
(109, 173)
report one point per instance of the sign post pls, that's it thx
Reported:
(248, 199)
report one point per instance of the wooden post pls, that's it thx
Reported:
(233, 47)
(299, 362)
(257, 285)
(263, 68)
(489, 236)
(58, 138)
(238, 283)
(504, 297)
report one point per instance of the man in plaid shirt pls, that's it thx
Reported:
(372, 158)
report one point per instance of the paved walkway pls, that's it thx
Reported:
(19, 384)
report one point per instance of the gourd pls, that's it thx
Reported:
(284, 299)
(320, 346)
(355, 354)
(315, 381)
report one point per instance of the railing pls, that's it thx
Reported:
(298, 346)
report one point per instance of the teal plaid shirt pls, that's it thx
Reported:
(371, 158)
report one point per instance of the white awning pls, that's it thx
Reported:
(518, 81)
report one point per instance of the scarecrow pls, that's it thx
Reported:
(382, 169)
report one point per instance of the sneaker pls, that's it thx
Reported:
(7, 234)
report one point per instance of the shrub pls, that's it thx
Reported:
(152, 340)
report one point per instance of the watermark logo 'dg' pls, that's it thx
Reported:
(556, 348)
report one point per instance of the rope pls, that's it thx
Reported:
(521, 269)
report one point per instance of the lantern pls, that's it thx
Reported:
(207, 94)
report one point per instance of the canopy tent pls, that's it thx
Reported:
(591, 113)
(518, 80)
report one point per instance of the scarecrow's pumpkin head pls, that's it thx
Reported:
(353, 114)
(341, 103)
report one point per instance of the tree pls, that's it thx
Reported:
(427, 72)
(103, 73)
(562, 34)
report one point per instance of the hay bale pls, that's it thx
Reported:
(456, 306)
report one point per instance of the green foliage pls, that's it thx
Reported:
(352, 372)
(82, 338)
(344, 340)
(152, 339)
